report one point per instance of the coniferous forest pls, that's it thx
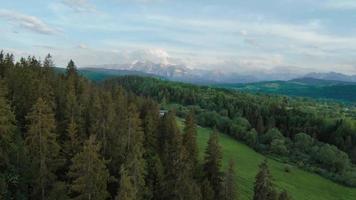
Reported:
(316, 136)
(65, 137)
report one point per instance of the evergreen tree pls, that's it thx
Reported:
(72, 109)
(207, 191)
(150, 129)
(229, 183)
(71, 69)
(42, 148)
(190, 144)
(88, 173)
(154, 177)
(7, 145)
(154, 168)
(134, 162)
(118, 137)
(186, 184)
(72, 145)
(212, 164)
(263, 189)
(7, 128)
(126, 189)
(171, 154)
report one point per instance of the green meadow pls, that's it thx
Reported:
(302, 185)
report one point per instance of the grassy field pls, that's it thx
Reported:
(300, 184)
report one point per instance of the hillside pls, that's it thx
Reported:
(300, 184)
(303, 87)
(306, 87)
(101, 74)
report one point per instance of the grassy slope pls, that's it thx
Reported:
(300, 184)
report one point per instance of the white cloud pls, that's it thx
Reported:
(31, 23)
(155, 55)
(80, 5)
(340, 4)
(83, 46)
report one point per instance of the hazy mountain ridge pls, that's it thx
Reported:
(303, 87)
(181, 72)
(332, 76)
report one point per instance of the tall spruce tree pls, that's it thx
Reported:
(88, 173)
(134, 162)
(7, 129)
(207, 192)
(190, 144)
(71, 69)
(154, 168)
(7, 145)
(126, 190)
(170, 144)
(230, 192)
(263, 189)
(212, 164)
(42, 148)
(72, 144)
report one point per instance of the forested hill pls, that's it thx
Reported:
(320, 137)
(98, 74)
(63, 137)
(304, 87)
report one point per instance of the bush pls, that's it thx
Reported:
(278, 147)
(288, 168)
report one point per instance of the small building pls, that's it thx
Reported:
(162, 112)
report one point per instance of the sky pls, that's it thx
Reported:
(231, 35)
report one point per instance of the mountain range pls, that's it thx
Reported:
(301, 87)
(180, 72)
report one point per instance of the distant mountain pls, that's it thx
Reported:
(332, 76)
(320, 82)
(99, 74)
(175, 72)
(180, 72)
(303, 87)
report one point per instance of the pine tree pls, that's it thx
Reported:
(71, 110)
(88, 173)
(134, 162)
(190, 144)
(171, 156)
(42, 147)
(207, 191)
(118, 138)
(72, 145)
(154, 168)
(71, 69)
(212, 164)
(7, 128)
(229, 182)
(150, 125)
(7, 144)
(154, 177)
(263, 189)
(284, 196)
(126, 190)
(186, 184)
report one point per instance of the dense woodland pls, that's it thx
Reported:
(64, 137)
(316, 136)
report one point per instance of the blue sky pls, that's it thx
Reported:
(234, 35)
